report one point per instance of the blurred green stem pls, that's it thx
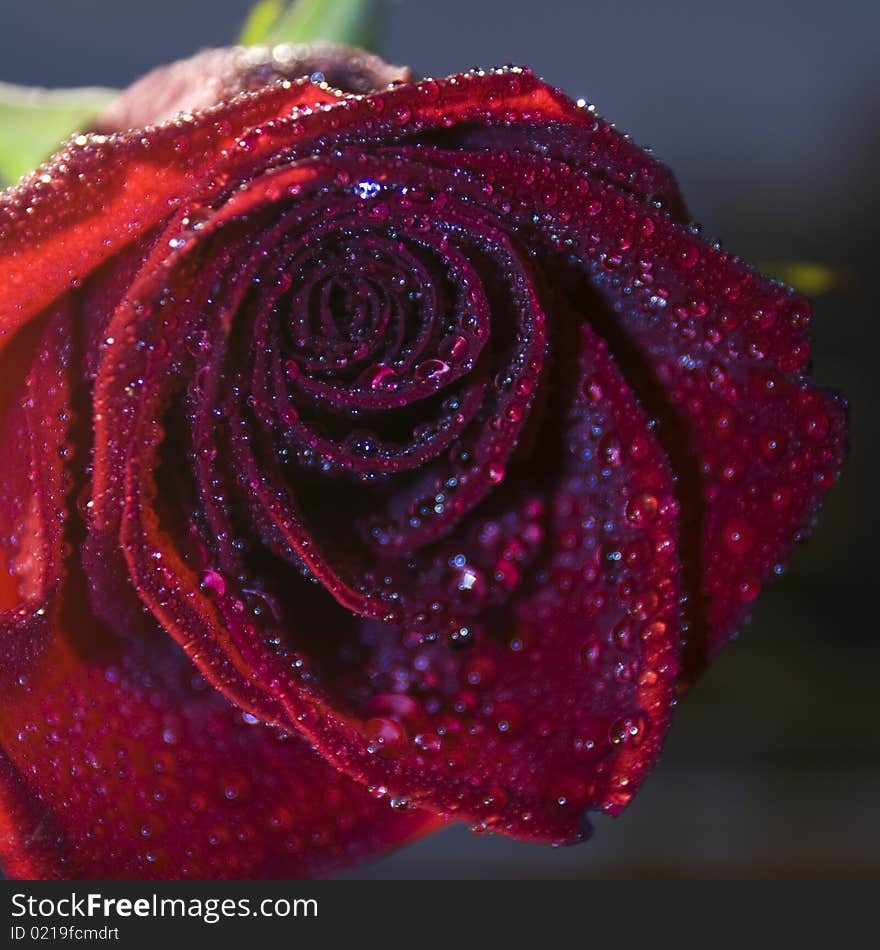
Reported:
(354, 22)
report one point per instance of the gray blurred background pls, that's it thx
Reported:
(768, 112)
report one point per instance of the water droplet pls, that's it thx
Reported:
(384, 378)
(738, 536)
(213, 581)
(628, 731)
(433, 370)
(494, 472)
(641, 509)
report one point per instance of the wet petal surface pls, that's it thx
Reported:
(144, 772)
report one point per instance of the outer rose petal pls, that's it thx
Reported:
(102, 192)
(218, 75)
(35, 415)
(717, 354)
(121, 762)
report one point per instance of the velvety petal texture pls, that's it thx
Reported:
(144, 772)
(217, 75)
(387, 458)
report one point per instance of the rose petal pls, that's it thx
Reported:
(718, 354)
(120, 762)
(218, 75)
(36, 419)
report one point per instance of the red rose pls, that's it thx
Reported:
(371, 461)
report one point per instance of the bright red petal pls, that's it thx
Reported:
(101, 192)
(36, 418)
(123, 763)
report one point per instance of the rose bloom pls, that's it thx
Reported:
(377, 454)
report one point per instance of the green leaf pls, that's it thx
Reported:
(260, 21)
(806, 277)
(354, 22)
(34, 122)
